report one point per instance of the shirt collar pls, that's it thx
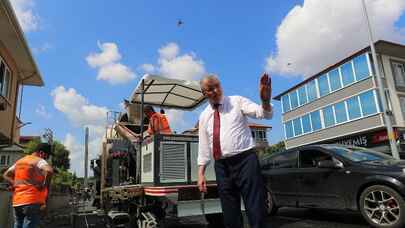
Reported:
(221, 102)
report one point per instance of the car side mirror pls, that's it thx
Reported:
(330, 164)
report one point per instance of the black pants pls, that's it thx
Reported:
(238, 176)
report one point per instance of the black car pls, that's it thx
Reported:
(338, 177)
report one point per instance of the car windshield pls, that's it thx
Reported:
(358, 154)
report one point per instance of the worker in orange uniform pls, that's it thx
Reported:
(158, 123)
(29, 178)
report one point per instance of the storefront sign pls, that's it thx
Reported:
(366, 140)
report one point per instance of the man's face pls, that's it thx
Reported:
(43, 155)
(212, 89)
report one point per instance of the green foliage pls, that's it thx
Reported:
(60, 158)
(280, 146)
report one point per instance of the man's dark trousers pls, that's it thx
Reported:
(238, 176)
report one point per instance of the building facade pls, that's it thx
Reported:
(17, 69)
(341, 103)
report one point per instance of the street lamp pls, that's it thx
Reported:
(383, 100)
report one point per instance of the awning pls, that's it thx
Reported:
(12, 37)
(11, 148)
(168, 93)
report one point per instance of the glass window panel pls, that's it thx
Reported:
(323, 85)
(340, 112)
(402, 102)
(306, 124)
(6, 84)
(284, 160)
(316, 120)
(2, 73)
(334, 79)
(294, 99)
(368, 104)
(289, 129)
(328, 117)
(311, 89)
(347, 73)
(399, 74)
(353, 107)
(302, 94)
(286, 103)
(361, 67)
(297, 127)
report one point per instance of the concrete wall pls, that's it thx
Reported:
(6, 117)
(6, 212)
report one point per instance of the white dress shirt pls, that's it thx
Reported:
(235, 134)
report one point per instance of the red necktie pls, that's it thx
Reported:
(216, 145)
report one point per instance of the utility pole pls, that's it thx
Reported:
(387, 118)
(48, 137)
(86, 156)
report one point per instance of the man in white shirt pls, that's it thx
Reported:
(224, 133)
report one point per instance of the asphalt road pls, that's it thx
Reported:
(296, 218)
(285, 218)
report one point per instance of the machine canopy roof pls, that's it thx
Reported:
(168, 93)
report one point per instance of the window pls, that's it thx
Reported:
(329, 118)
(340, 112)
(306, 124)
(311, 90)
(368, 104)
(297, 127)
(353, 107)
(284, 160)
(8, 160)
(3, 160)
(399, 74)
(347, 74)
(286, 103)
(289, 131)
(4, 79)
(302, 94)
(334, 79)
(316, 120)
(311, 158)
(402, 102)
(294, 99)
(323, 85)
(361, 67)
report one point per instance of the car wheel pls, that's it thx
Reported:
(382, 206)
(271, 207)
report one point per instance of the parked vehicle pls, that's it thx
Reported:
(338, 177)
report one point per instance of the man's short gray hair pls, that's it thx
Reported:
(208, 77)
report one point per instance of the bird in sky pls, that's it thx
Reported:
(179, 23)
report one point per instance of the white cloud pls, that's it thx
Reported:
(148, 68)
(170, 51)
(41, 111)
(24, 9)
(115, 73)
(108, 65)
(320, 32)
(171, 64)
(43, 48)
(76, 107)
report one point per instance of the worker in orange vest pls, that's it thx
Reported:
(158, 123)
(29, 178)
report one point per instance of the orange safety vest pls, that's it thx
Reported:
(27, 179)
(158, 124)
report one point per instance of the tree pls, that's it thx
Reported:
(60, 158)
(280, 146)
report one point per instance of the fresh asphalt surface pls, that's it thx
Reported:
(285, 218)
(297, 218)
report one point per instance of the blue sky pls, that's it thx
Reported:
(237, 40)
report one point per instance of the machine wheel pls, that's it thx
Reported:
(382, 207)
(215, 220)
(271, 207)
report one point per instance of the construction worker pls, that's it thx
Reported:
(29, 179)
(158, 123)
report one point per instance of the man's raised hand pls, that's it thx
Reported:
(265, 88)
